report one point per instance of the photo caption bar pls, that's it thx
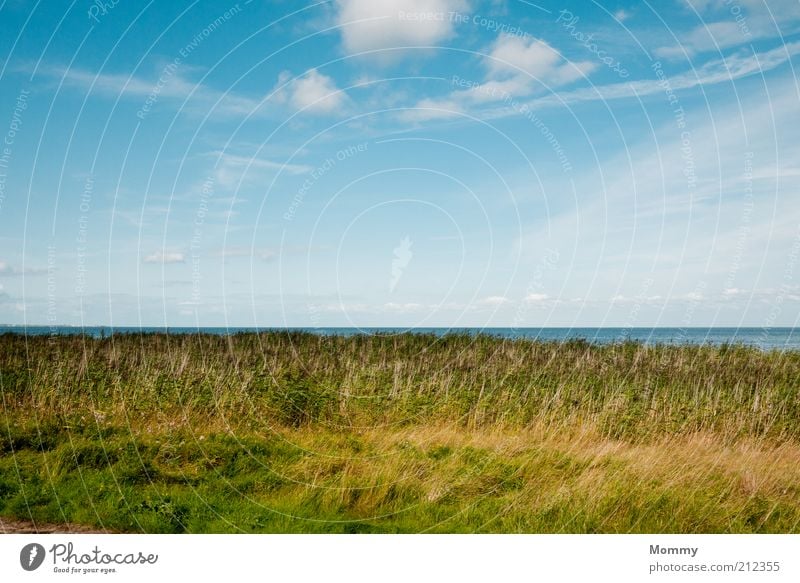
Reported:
(419, 558)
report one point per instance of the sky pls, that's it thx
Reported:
(407, 163)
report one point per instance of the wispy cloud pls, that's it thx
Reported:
(312, 92)
(197, 98)
(8, 270)
(263, 253)
(729, 24)
(231, 170)
(622, 15)
(494, 301)
(490, 99)
(536, 297)
(370, 25)
(730, 68)
(165, 257)
(655, 222)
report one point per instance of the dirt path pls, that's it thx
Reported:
(8, 526)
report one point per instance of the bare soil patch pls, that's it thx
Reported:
(8, 526)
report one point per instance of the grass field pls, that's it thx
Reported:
(292, 432)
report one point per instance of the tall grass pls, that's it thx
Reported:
(627, 390)
(294, 432)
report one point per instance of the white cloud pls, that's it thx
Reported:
(491, 94)
(192, 97)
(312, 92)
(712, 36)
(7, 270)
(233, 160)
(732, 67)
(516, 68)
(514, 55)
(495, 90)
(494, 301)
(375, 25)
(232, 170)
(267, 254)
(746, 250)
(622, 15)
(428, 109)
(165, 257)
(729, 24)
(536, 297)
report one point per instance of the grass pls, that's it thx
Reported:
(293, 432)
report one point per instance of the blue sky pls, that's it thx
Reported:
(400, 163)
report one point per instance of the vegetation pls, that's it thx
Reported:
(295, 432)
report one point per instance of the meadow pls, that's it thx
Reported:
(296, 432)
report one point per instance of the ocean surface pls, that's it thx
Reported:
(764, 338)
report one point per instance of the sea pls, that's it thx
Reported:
(764, 338)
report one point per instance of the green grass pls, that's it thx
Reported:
(280, 432)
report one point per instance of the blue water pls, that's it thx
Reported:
(764, 338)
